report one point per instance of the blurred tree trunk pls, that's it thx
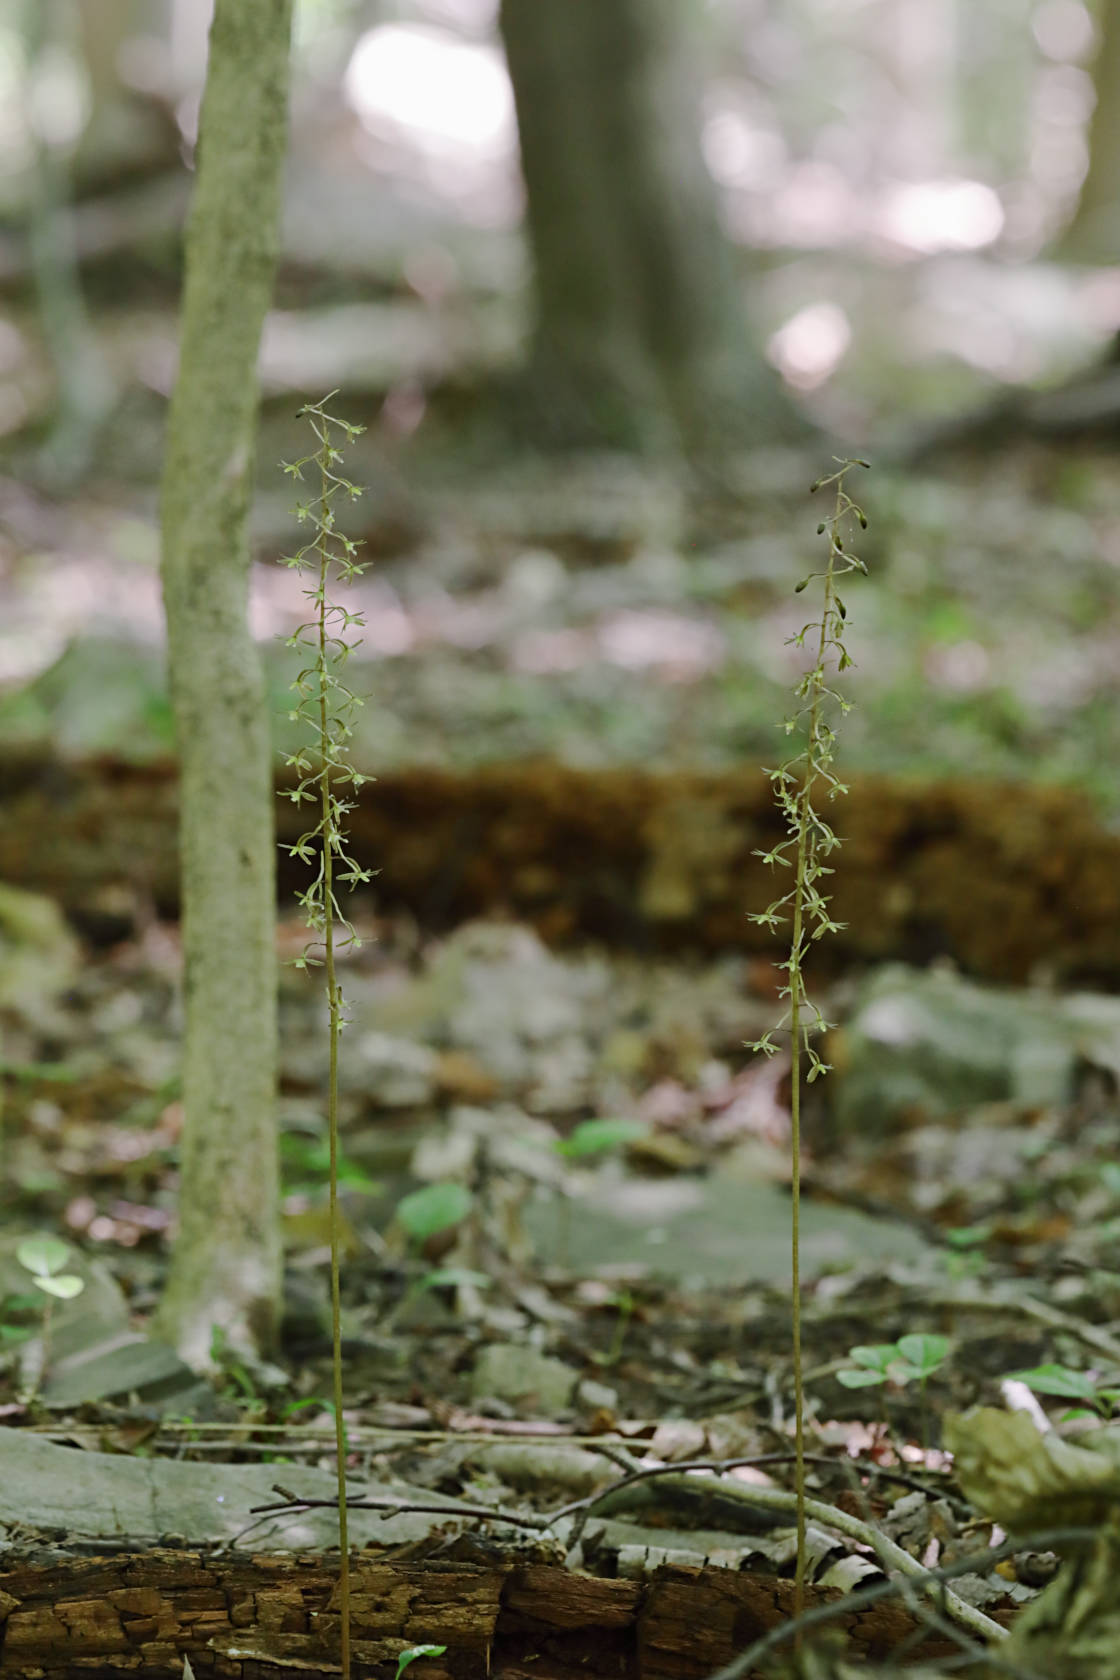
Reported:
(128, 135)
(85, 393)
(1094, 234)
(225, 1268)
(640, 334)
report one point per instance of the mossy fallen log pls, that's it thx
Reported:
(1008, 881)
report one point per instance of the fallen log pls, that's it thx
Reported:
(99, 1587)
(250, 1616)
(1005, 880)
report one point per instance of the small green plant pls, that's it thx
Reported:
(414, 1651)
(599, 1137)
(965, 1245)
(809, 841)
(910, 1359)
(327, 706)
(238, 1385)
(313, 1403)
(44, 1259)
(184, 1424)
(1097, 1400)
(452, 1277)
(425, 1213)
(33, 1073)
(433, 1208)
(14, 1312)
(624, 1304)
(440, 1277)
(586, 1142)
(306, 1164)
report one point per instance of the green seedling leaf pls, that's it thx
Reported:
(326, 1406)
(861, 1379)
(56, 1073)
(314, 1403)
(43, 1256)
(311, 1157)
(415, 1651)
(452, 1277)
(435, 1208)
(63, 1287)
(876, 1358)
(1058, 1380)
(968, 1236)
(596, 1137)
(293, 1407)
(240, 1379)
(910, 1359)
(902, 1372)
(872, 1365)
(924, 1353)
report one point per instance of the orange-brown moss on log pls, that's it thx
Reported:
(1002, 879)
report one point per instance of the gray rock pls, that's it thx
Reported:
(125, 1366)
(934, 1044)
(113, 1496)
(561, 1077)
(529, 1380)
(597, 1396)
(714, 1230)
(391, 1072)
(495, 991)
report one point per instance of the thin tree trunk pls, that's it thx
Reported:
(225, 1268)
(1094, 234)
(640, 335)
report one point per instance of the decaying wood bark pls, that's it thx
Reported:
(249, 1616)
(998, 878)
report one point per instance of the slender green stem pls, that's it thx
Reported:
(325, 705)
(808, 839)
(334, 1003)
(795, 1295)
(804, 828)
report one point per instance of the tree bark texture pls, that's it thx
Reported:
(235, 1615)
(226, 1264)
(640, 335)
(1094, 234)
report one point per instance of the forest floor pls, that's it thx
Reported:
(596, 613)
(599, 1253)
(565, 1191)
(623, 1285)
